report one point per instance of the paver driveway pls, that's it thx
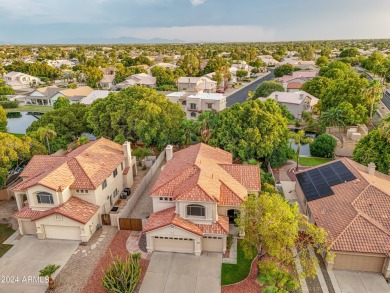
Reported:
(184, 273)
(27, 257)
(361, 282)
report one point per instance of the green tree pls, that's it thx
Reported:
(6, 90)
(323, 146)
(373, 93)
(48, 271)
(141, 153)
(349, 52)
(266, 88)
(207, 122)
(140, 114)
(374, 147)
(241, 74)
(190, 64)
(61, 102)
(322, 61)
(316, 85)
(3, 120)
(280, 155)
(286, 69)
(46, 134)
(275, 228)
(251, 129)
(384, 128)
(300, 138)
(190, 130)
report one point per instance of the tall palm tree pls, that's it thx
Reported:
(333, 117)
(48, 271)
(373, 93)
(207, 121)
(45, 134)
(190, 129)
(300, 138)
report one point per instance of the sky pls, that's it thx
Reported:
(53, 21)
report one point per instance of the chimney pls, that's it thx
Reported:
(276, 97)
(169, 152)
(127, 153)
(301, 96)
(371, 169)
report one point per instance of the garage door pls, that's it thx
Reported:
(29, 227)
(212, 244)
(63, 232)
(358, 263)
(171, 244)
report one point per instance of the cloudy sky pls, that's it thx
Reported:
(53, 21)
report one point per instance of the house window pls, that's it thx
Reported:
(209, 106)
(104, 185)
(184, 103)
(196, 210)
(58, 217)
(193, 114)
(44, 197)
(115, 173)
(192, 106)
(122, 166)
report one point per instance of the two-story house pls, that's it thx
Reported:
(197, 194)
(63, 197)
(194, 103)
(20, 81)
(203, 84)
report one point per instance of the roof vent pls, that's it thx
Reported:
(371, 169)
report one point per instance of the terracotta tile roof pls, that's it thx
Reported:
(75, 209)
(228, 197)
(85, 167)
(357, 215)
(294, 85)
(169, 217)
(196, 173)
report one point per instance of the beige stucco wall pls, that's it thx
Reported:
(33, 201)
(159, 205)
(223, 210)
(209, 214)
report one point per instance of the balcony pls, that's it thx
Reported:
(192, 109)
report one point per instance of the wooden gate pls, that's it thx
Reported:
(106, 219)
(130, 224)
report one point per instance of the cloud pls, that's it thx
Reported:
(197, 2)
(222, 33)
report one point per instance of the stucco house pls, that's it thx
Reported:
(74, 95)
(298, 76)
(197, 194)
(203, 84)
(43, 96)
(194, 103)
(20, 81)
(63, 197)
(296, 102)
(137, 79)
(352, 203)
(107, 81)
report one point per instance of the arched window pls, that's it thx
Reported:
(45, 197)
(196, 210)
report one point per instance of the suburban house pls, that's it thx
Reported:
(109, 70)
(196, 196)
(297, 62)
(298, 76)
(43, 96)
(137, 79)
(20, 81)
(74, 95)
(269, 60)
(293, 85)
(93, 96)
(107, 81)
(63, 197)
(352, 203)
(296, 102)
(203, 83)
(194, 103)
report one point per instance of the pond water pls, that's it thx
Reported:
(18, 122)
(305, 149)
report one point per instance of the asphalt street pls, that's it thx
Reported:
(240, 95)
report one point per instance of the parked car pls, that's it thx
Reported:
(220, 91)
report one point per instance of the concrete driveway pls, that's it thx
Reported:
(361, 282)
(184, 273)
(21, 264)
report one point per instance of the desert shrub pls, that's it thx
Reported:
(323, 146)
(275, 278)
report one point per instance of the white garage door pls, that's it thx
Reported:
(214, 244)
(29, 227)
(358, 263)
(63, 232)
(171, 244)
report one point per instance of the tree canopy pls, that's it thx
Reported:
(61, 102)
(3, 120)
(286, 69)
(323, 146)
(251, 129)
(268, 87)
(139, 114)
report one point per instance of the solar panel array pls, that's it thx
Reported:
(317, 183)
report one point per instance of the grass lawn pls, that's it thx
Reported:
(5, 232)
(31, 108)
(233, 273)
(313, 161)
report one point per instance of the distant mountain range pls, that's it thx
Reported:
(108, 41)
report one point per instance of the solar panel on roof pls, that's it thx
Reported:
(317, 183)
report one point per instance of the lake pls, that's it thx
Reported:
(18, 122)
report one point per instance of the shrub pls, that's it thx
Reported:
(275, 278)
(122, 275)
(280, 156)
(229, 241)
(323, 146)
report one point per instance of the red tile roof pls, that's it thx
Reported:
(84, 168)
(169, 217)
(294, 85)
(357, 215)
(75, 209)
(198, 172)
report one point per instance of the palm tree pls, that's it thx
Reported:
(48, 271)
(190, 129)
(300, 138)
(45, 134)
(333, 117)
(373, 93)
(207, 121)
